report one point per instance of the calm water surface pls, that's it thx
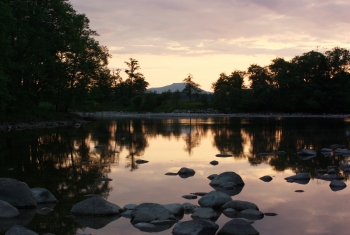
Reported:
(65, 161)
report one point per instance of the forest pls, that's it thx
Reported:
(51, 61)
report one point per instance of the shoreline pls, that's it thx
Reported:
(91, 116)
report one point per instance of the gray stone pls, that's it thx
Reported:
(144, 225)
(147, 212)
(175, 208)
(20, 230)
(307, 152)
(195, 227)
(205, 213)
(227, 177)
(189, 196)
(199, 193)
(42, 195)
(17, 193)
(188, 207)
(214, 199)
(238, 227)
(240, 205)
(7, 210)
(129, 207)
(185, 172)
(126, 214)
(251, 214)
(299, 176)
(326, 150)
(230, 212)
(228, 185)
(337, 184)
(95, 222)
(212, 176)
(214, 163)
(95, 206)
(266, 178)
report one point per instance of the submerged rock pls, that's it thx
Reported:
(42, 195)
(266, 178)
(147, 212)
(185, 172)
(238, 227)
(337, 185)
(214, 163)
(239, 205)
(189, 207)
(20, 230)
(189, 196)
(300, 178)
(195, 227)
(175, 208)
(95, 206)
(251, 214)
(7, 210)
(205, 213)
(227, 177)
(212, 176)
(214, 199)
(223, 155)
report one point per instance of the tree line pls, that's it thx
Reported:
(50, 57)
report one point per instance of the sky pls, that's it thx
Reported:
(172, 38)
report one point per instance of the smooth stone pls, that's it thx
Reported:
(230, 212)
(299, 176)
(159, 226)
(175, 208)
(299, 191)
(214, 199)
(205, 213)
(147, 212)
(326, 150)
(214, 163)
(129, 207)
(144, 225)
(337, 184)
(20, 230)
(212, 176)
(42, 195)
(17, 193)
(227, 177)
(95, 206)
(228, 185)
(7, 210)
(140, 161)
(199, 193)
(344, 166)
(330, 177)
(306, 152)
(195, 227)
(223, 155)
(185, 172)
(251, 214)
(95, 222)
(331, 172)
(126, 214)
(266, 178)
(189, 196)
(45, 208)
(238, 227)
(239, 205)
(189, 207)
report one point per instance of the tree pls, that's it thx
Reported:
(191, 88)
(136, 81)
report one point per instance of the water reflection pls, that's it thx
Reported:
(66, 162)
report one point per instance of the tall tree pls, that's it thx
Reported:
(136, 81)
(191, 88)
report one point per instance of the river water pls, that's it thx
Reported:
(65, 161)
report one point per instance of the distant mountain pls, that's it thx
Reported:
(173, 87)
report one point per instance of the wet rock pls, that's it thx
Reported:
(330, 177)
(301, 178)
(251, 214)
(205, 213)
(7, 210)
(214, 163)
(126, 214)
(95, 206)
(230, 212)
(185, 172)
(199, 193)
(20, 230)
(42, 195)
(299, 191)
(238, 227)
(266, 178)
(195, 227)
(223, 155)
(140, 161)
(158, 225)
(212, 176)
(144, 225)
(147, 212)
(227, 177)
(239, 205)
(129, 207)
(189, 196)
(188, 207)
(337, 184)
(326, 150)
(175, 208)
(214, 199)
(95, 222)
(17, 193)
(306, 152)
(46, 208)
(228, 185)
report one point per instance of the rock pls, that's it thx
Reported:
(199, 193)
(344, 166)
(144, 225)
(95, 222)
(228, 185)
(266, 178)
(126, 214)
(195, 227)
(140, 161)
(159, 225)
(175, 208)
(299, 176)
(42, 195)
(171, 173)
(306, 152)
(214, 163)
(20, 230)
(214, 199)
(337, 184)
(205, 213)
(326, 150)
(227, 177)
(189, 196)
(129, 207)
(330, 177)
(331, 172)
(17, 193)
(7, 210)
(186, 172)
(147, 212)
(45, 208)
(211, 177)
(95, 206)
(240, 205)
(280, 152)
(223, 155)
(270, 214)
(238, 227)
(188, 207)
(251, 214)
(299, 191)
(334, 146)
(230, 212)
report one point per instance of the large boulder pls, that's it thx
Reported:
(16, 193)
(175, 208)
(238, 227)
(95, 206)
(7, 210)
(20, 230)
(42, 195)
(195, 227)
(227, 177)
(337, 185)
(214, 199)
(147, 212)
(240, 205)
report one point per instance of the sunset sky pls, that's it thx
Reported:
(171, 39)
